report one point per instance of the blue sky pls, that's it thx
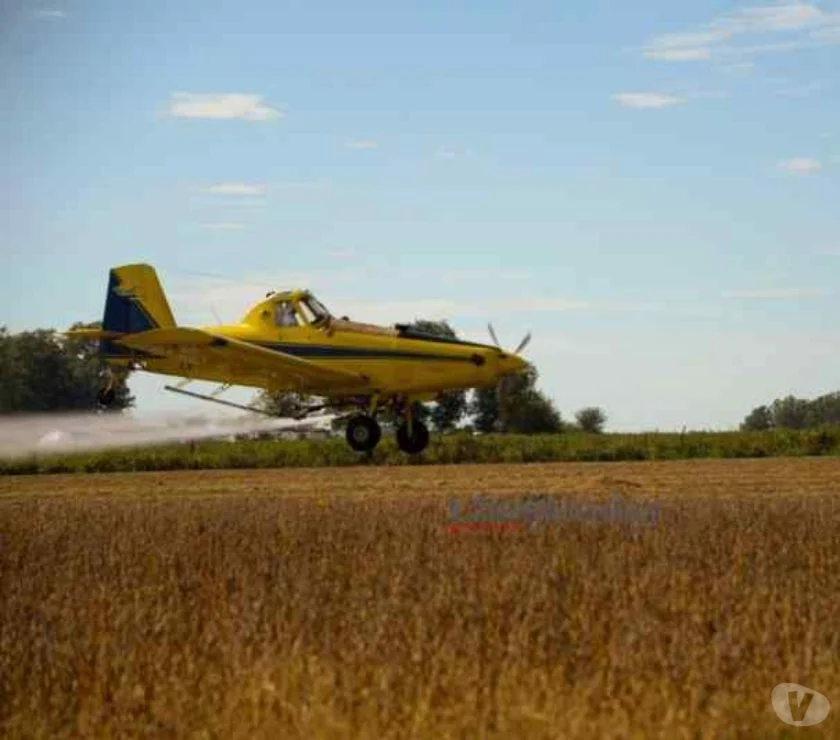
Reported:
(651, 189)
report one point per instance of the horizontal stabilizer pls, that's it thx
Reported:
(92, 334)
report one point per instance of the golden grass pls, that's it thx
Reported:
(335, 603)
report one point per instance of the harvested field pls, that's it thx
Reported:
(337, 603)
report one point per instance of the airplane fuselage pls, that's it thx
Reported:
(393, 364)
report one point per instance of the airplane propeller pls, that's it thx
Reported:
(520, 347)
(507, 383)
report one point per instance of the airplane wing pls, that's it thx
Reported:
(199, 347)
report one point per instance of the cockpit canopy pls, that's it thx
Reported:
(299, 309)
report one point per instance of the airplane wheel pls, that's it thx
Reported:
(363, 433)
(105, 397)
(417, 442)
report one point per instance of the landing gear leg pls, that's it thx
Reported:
(106, 395)
(412, 434)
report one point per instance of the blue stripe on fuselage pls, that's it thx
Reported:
(357, 353)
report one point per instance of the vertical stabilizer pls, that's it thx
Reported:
(135, 301)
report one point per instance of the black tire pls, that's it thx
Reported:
(105, 397)
(363, 433)
(417, 442)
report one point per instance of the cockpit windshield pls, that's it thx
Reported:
(313, 306)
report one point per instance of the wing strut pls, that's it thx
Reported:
(204, 397)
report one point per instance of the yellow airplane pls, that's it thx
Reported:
(290, 342)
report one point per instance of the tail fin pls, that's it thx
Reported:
(135, 301)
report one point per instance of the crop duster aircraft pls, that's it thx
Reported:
(290, 342)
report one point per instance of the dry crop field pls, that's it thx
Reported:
(330, 603)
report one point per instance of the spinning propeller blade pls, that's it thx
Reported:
(493, 335)
(522, 344)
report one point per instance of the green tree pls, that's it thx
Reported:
(591, 419)
(790, 412)
(515, 405)
(43, 370)
(759, 419)
(795, 413)
(824, 410)
(484, 406)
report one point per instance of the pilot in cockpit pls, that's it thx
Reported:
(284, 315)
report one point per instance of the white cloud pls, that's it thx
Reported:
(771, 48)
(360, 144)
(766, 29)
(544, 348)
(738, 68)
(801, 90)
(223, 226)
(800, 165)
(633, 306)
(774, 293)
(707, 95)
(473, 274)
(829, 34)
(691, 54)
(691, 40)
(234, 188)
(50, 14)
(221, 106)
(791, 17)
(240, 203)
(347, 253)
(299, 185)
(647, 99)
(448, 152)
(550, 305)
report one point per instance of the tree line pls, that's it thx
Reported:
(795, 413)
(44, 370)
